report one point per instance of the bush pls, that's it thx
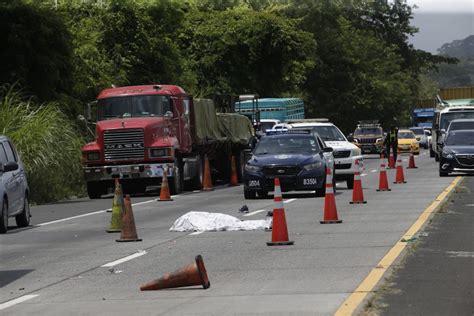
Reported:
(48, 144)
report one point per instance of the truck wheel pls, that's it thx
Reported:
(249, 195)
(23, 219)
(95, 190)
(240, 164)
(350, 182)
(197, 180)
(176, 182)
(4, 217)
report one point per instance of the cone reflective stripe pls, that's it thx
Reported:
(411, 163)
(129, 231)
(190, 275)
(117, 209)
(357, 193)
(165, 190)
(399, 177)
(207, 181)
(383, 181)
(330, 211)
(234, 181)
(279, 229)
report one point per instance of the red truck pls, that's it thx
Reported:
(142, 129)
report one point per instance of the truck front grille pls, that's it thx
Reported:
(124, 144)
(367, 140)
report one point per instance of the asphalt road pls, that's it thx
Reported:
(56, 267)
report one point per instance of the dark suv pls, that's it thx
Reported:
(13, 187)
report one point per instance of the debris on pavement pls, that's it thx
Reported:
(244, 209)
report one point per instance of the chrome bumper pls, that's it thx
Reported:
(138, 171)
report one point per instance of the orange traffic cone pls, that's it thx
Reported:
(117, 209)
(234, 181)
(330, 211)
(279, 229)
(411, 162)
(207, 181)
(357, 193)
(399, 177)
(192, 274)
(391, 162)
(129, 231)
(383, 181)
(165, 190)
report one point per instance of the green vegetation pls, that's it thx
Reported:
(348, 59)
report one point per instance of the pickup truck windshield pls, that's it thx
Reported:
(133, 106)
(287, 145)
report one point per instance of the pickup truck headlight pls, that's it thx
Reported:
(93, 155)
(312, 166)
(379, 140)
(252, 168)
(356, 152)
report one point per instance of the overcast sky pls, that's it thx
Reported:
(441, 21)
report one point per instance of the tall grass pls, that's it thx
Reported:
(48, 144)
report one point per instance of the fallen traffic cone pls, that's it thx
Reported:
(117, 209)
(192, 274)
(383, 181)
(411, 162)
(279, 229)
(207, 181)
(357, 193)
(399, 177)
(129, 231)
(234, 181)
(391, 162)
(165, 190)
(330, 211)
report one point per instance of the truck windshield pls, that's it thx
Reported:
(368, 131)
(133, 106)
(287, 145)
(446, 118)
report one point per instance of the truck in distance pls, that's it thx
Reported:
(369, 137)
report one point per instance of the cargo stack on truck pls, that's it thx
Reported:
(282, 109)
(143, 130)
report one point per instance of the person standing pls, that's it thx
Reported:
(391, 142)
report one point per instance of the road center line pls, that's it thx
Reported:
(17, 300)
(367, 286)
(196, 233)
(363, 175)
(373, 170)
(125, 259)
(254, 212)
(289, 201)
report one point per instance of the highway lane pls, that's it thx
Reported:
(62, 262)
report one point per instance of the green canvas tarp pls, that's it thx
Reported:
(220, 127)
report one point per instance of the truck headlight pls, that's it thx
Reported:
(378, 140)
(93, 155)
(312, 166)
(160, 152)
(252, 168)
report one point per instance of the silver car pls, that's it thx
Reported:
(13, 187)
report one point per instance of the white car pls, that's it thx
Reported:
(345, 153)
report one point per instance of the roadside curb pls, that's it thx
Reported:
(356, 301)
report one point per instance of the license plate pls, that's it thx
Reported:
(254, 183)
(310, 181)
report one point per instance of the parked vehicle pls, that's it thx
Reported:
(460, 124)
(369, 137)
(297, 158)
(458, 153)
(345, 153)
(407, 142)
(14, 189)
(281, 109)
(422, 117)
(142, 130)
(420, 136)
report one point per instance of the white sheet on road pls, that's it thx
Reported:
(211, 222)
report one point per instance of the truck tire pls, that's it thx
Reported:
(23, 219)
(176, 183)
(240, 164)
(95, 190)
(198, 178)
(249, 195)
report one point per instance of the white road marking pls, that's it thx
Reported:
(460, 254)
(196, 233)
(469, 204)
(125, 259)
(18, 300)
(375, 170)
(92, 213)
(254, 212)
(289, 201)
(363, 175)
(405, 159)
